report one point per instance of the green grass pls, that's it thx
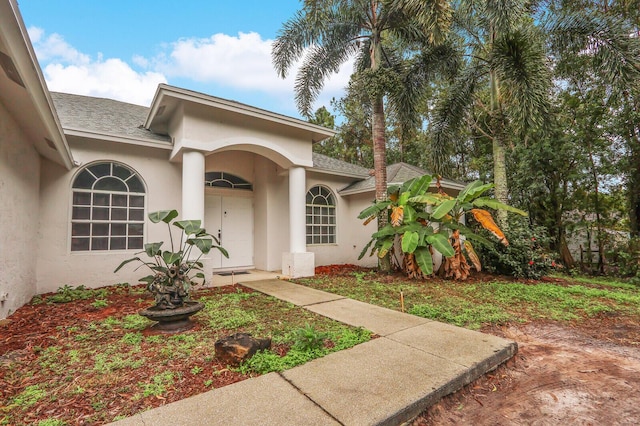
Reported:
(474, 304)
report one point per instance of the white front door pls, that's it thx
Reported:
(230, 219)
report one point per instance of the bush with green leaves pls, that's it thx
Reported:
(625, 257)
(524, 257)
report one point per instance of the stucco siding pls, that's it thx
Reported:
(351, 235)
(19, 188)
(57, 265)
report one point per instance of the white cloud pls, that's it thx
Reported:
(68, 70)
(241, 62)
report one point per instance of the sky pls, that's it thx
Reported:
(122, 49)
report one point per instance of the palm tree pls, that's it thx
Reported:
(506, 59)
(327, 33)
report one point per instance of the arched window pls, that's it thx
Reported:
(226, 180)
(321, 216)
(107, 208)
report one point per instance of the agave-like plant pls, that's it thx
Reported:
(423, 221)
(170, 281)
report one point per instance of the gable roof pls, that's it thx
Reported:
(98, 117)
(397, 174)
(325, 164)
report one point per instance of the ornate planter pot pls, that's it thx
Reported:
(172, 320)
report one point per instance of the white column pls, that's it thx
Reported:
(193, 186)
(297, 210)
(298, 262)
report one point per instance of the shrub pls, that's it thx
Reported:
(626, 258)
(524, 257)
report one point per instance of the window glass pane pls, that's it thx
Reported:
(118, 229)
(136, 214)
(135, 242)
(135, 185)
(100, 243)
(80, 229)
(309, 240)
(99, 229)
(100, 213)
(81, 213)
(136, 229)
(119, 200)
(101, 199)
(118, 214)
(100, 170)
(309, 198)
(110, 184)
(121, 172)
(136, 201)
(82, 198)
(332, 239)
(84, 180)
(79, 244)
(118, 243)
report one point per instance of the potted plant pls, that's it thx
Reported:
(174, 272)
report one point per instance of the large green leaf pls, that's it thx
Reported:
(364, 250)
(410, 214)
(495, 204)
(153, 249)
(410, 241)
(443, 209)
(165, 216)
(203, 244)
(189, 226)
(404, 197)
(374, 209)
(222, 250)
(171, 258)
(385, 231)
(428, 198)
(473, 190)
(420, 186)
(128, 261)
(441, 243)
(385, 247)
(424, 260)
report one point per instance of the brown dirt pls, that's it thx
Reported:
(575, 375)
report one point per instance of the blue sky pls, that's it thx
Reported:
(122, 49)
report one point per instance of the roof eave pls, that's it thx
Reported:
(24, 57)
(320, 133)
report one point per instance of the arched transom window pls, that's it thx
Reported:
(321, 216)
(226, 180)
(107, 208)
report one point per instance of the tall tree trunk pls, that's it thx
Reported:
(499, 161)
(379, 145)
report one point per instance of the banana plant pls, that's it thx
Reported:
(170, 279)
(422, 222)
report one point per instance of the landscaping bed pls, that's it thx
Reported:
(85, 357)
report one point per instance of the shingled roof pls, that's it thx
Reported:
(103, 116)
(328, 164)
(397, 174)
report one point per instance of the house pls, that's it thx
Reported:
(78, 176)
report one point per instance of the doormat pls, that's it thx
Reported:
(228, 274)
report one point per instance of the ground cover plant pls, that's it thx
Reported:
(578, 342)
(84, 356)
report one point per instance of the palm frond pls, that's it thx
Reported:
(520, 63)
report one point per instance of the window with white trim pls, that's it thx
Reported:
(321, 216)
(107, 211)
(226, 180)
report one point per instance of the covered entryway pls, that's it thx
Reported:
(230, 219)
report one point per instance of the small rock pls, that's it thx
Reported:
(238, 347)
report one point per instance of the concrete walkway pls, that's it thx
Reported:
(386, 381)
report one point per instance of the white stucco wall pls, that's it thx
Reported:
(351, 235)
(57, 265)
(19, 188)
